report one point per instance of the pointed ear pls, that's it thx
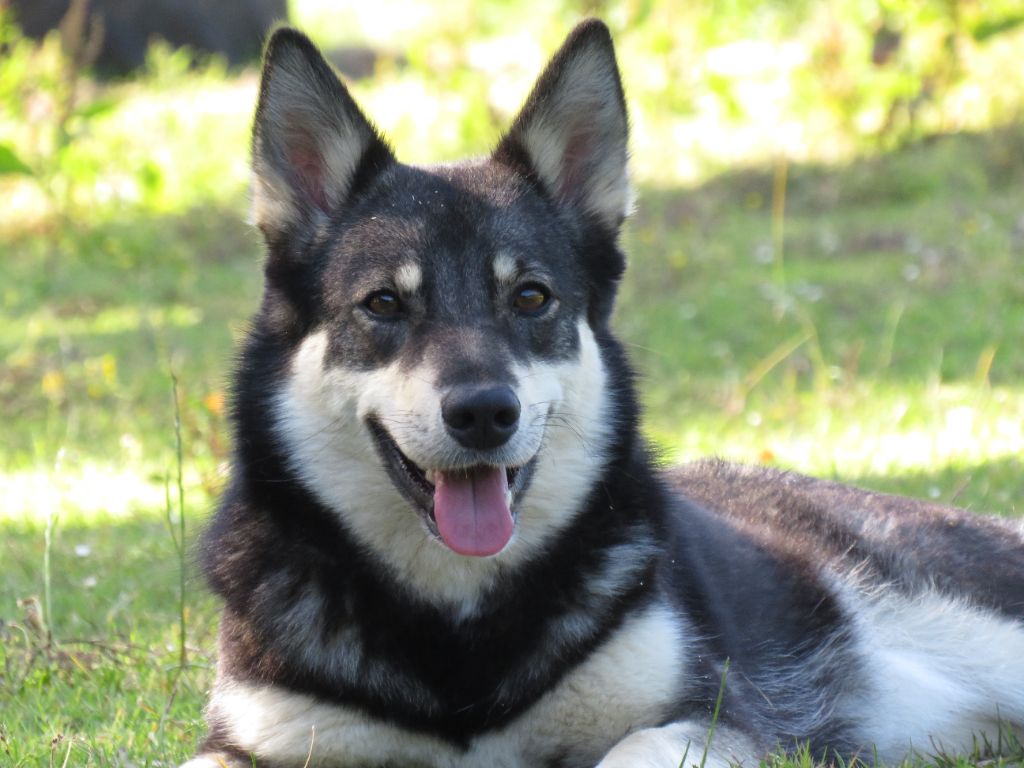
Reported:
(311, 144)
(571, 135)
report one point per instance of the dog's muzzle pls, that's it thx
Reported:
(468, 507)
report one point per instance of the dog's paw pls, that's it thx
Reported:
(649, 748)
(218, 760)
(679, 745)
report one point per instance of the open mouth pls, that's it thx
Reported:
(471, 508)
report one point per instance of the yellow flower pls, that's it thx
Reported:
(53, 384)
(214, 402)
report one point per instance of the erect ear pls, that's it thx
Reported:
(311, 144)
(572, 133)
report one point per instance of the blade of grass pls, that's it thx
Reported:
(779, 179)
(768, 363)
(51, 524)
(682, 762)
(180, 538)
(892, 324)
(714, 715)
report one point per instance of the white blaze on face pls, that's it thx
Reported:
(409, 278)
(321, 423)
(504, 267)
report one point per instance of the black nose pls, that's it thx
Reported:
(481, 417)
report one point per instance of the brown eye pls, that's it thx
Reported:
(530, 299)
(382, 304)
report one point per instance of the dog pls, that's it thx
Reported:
(444, 541)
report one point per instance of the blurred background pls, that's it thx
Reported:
(827, 274)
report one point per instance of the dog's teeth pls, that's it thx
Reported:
(508, 499)
(429, 475)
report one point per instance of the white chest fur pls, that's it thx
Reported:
(625, 685)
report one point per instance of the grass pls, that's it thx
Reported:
(874, 333)
(891, 349)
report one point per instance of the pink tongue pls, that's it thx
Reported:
(472, 515)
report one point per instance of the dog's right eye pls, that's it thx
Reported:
(382, 304)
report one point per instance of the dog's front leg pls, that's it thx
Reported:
(666, 747)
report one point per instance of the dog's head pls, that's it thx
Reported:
(445, 387)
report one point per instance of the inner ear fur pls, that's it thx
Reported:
(572, 134)
(310, 140)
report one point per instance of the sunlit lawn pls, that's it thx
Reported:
(870, 329)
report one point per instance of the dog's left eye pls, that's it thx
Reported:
(531, 299)
(383, 304)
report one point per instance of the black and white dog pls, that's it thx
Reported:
(444, 542)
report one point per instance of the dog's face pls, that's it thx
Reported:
(445, 392)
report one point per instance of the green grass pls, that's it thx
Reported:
(873, 333)
(111, 691)
(885, 343)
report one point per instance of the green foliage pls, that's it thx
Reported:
(96, 150)
(717, 81)
(992, 26)
(10, 163)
